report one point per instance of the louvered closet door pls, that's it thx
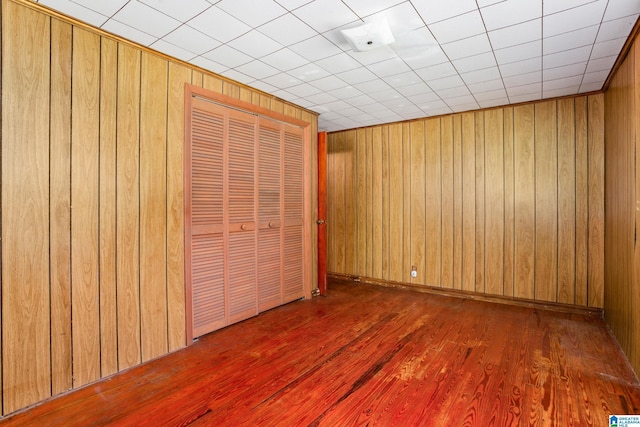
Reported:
(205, 245)
(293, 213)
(269, 215)
(242, 216)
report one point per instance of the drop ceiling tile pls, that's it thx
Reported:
(414, 89)
(467, 47)
(408, 78)
(339, 107)
(182, 11)
(284, 60)
(445, 83)
(523, 79)
(328, 83)
(595, 77)
(228, 56)
(424, 98)
(551, 7)
(602, 49)
(210, 65)
(494, 102)
(128, 32)
(591, 87)
(519, 53)
(516, 34)
(476, 62)
(257, 69)
(293, 4)
(218, 24)
(402, 19)
(283, 81)
(303, 90)
(358, 75)
(265, 87)
(621, 8)
(368, 7)
(251, 12)
(287, 30)
(485, 3)
(86, 14)
(336, 37)
(345, 93)
(255, 44)
(527, 97)
(574, 19)
(453, 92)
(615, 29)
(173, 50)
(283, 94)
(191, 39)
(493, 94)
(573, 81)
(533, 88)
(376, 106)
(421, 57)
(601, 64)
(510, 12)
(570, 40)
(107, 8)
(386, 95)
(315, 48)
(479, 76)
(521, 67)
(309, 72)
(460, 100)
(458, 27)
(321, 98)
(339, 63)
(437, 71)
(564, 91)
(492, 85)
(565, 71)
(465, 107)
(438, 10)
(361, 100)
(240, 77)
(325, 15)
(146, 19)
(373, 56)
(389, 67)
(573, 56)
(372, 87)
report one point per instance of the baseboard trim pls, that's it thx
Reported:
(458, 293)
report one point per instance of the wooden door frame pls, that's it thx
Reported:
(192, 91)
(322, 213)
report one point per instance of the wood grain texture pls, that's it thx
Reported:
(480, 182)
(458, 202)
(396, 211)
(107, 229)
(350, 210)
(418, 201)
(406, 259)
(370, 206)
(468, 202)
(448, 201)
(417, 360)
(494, 202)
(509, 203)
(433, 206)
(60, 206)
(376, 201)
(128, 210)
(546, 201)
(153, 206)
(26, 351)
(85, 148)
(338, 186)
(582, 200)
(361, 201)
(385, 202)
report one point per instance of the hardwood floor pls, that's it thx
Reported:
(368, 355)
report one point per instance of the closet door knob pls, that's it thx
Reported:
(243, 227)
(270, 224)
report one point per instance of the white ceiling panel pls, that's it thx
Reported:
(447, 56)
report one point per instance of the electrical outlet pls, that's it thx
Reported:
(414, 271)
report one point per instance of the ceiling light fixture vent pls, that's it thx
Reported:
(369, 36)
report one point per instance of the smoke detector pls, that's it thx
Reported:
(369, 36)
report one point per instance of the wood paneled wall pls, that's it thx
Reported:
(622, 262)
(506, 201)
(92, 202)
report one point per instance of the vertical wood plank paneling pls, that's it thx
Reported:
(340, 203)
(406, 197)
(331, 240)
(385, 202)
(480, 203)
(458, 229)
(60, 206)
(448, 201)
(108, 304)
(509, 201)
(396, 211)
(546, 217)
(350, 191)
(596, 200)
(468, 202)
(85, 146)
(212, 83)
(26, 351)
(178, 76)
(153, 207)
(524, 191)
(370, 205)
(566, 201)
(418, 201)
(494, 201)
(582, 200)
(433, 207)
(361, 200)
(128, 200)
(376, 183)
